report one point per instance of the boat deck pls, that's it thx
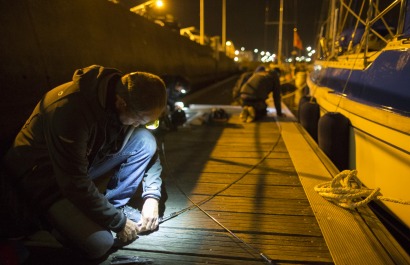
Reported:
(252, 184)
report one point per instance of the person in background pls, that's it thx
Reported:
(236, 95)
(83, 153)
(300, 83)
(177, 87)
(255, 91)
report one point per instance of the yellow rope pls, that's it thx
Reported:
(347, 191)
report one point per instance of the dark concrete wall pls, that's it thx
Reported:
(43, 42)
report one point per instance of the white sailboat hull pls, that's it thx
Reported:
(379, 147)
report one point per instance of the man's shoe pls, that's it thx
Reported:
(251, 114)
(131, 213)
(244, 113)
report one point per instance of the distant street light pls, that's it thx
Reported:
(143, 8)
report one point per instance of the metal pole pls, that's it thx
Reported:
(334, 30)
(332, 26)
(280, 33)
(201, 23)
(367, 30)
(224, 25)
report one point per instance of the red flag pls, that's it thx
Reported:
(297, 42)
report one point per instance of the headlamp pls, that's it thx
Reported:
(152, 125)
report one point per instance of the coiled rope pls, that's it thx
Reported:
(347, 191)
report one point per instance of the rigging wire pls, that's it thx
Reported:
(210, 197)
(342, 93)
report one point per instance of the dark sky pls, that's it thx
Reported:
(245, 20)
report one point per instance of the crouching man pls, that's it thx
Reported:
(79, 132)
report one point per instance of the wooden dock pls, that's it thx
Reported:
(244, 174)
(252, 184)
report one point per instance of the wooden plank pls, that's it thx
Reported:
(222, 245)
(198, 148)
(188, 258)
(262, 170)
(248, 191)
(271, 178)
(61, 256)
(223, 153)
(251, 223)
(200, 160)
(269, 206)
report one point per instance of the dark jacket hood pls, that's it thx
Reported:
(94, 80)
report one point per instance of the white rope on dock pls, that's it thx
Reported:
(347, 191)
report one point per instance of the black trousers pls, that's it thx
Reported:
(259, 106)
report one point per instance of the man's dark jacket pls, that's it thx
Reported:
(67, 130)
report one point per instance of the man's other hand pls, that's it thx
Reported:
(150, 216)
(129, 233)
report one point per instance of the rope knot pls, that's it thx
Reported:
(347, 191)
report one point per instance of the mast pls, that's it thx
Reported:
(280, 33)
(332, 26)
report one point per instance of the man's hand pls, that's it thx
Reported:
(149, 219)
(129, 233)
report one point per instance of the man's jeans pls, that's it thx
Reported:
(132, 160)
(75, 228)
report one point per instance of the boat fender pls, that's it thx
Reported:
(304, 99)
(309, 114)
(333, 138)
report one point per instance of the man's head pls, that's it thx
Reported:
(141, 98)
